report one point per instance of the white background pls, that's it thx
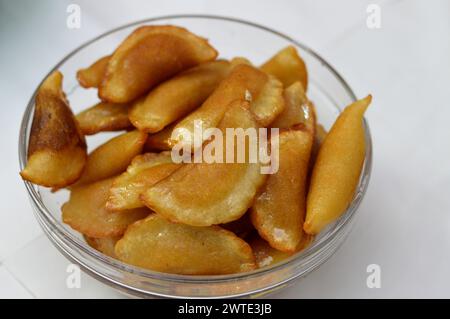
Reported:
(404, 221)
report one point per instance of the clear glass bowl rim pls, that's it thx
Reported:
(71, 240)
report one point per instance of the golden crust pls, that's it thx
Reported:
(86, 211)
(243, 81)
(193, 195)
(104, 245)
(298, 109)
(160, 141)
(279, 211)
(148, 56)
(103, 117)
(92, 76)
(112, 157)
(158, 244)
(177, 96)
(269, 103)
(288, 67)
(337, 168)
(57, 148)
(144, 171)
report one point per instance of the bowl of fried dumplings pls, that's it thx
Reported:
(98, 155)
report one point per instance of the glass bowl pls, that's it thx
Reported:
(232, 37)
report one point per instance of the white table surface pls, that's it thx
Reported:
(404, 221)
